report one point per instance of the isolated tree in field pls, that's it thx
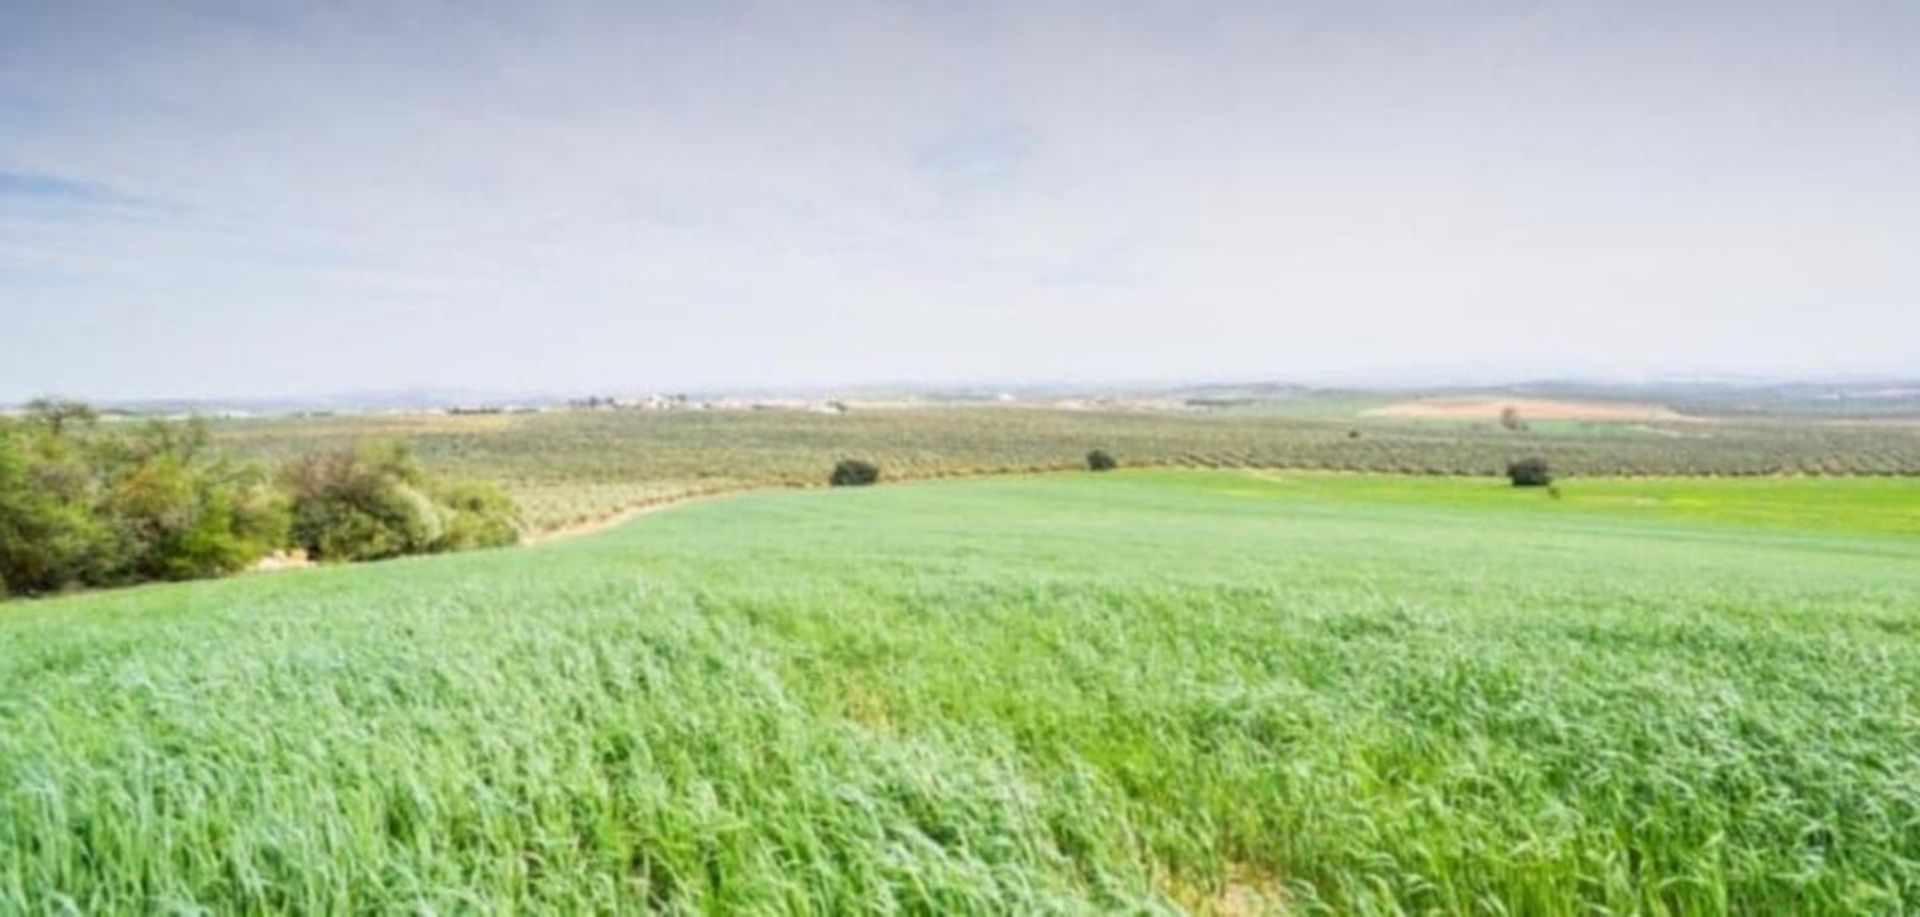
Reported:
(1529, 472)
(1510, 418)
(854, 473)
(1099, 460)
(56, 414)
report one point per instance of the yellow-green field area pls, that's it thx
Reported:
(1856, 504)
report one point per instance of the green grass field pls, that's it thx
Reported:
(1859, 504)
(1230, 691)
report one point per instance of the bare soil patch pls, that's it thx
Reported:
(602, 523)
(1243, 891)
(1479, 407)
(293, 559)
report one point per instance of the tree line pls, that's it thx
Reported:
(86, 504)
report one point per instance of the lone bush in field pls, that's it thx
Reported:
(1100, 460)
(1529, 472)
(376, 501)
(854, 473)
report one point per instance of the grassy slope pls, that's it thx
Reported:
(1884, 505)
(1077, 692)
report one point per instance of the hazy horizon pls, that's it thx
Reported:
(282, 200)
(422, 396)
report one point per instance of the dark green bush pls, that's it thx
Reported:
(854, 473)
(1099, 460)
(359, 504)
(179, 512)
(1529, 472)
(49, 535)
(375, 501)
(477, 516)
(81, 506)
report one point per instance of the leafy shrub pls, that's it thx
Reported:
(84, 507)
(1100, 460)
(375, 502)
(854, 473)
(49, 536)
(359, 504)
(178, 513)
(478, 515)
(81, 505)
(1529, 472)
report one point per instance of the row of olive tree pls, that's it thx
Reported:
(84, 504)
(1527, 472)
(860, 473)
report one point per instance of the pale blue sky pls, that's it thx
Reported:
(262, 198)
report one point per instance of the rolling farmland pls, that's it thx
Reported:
(570, 466)
(921, 459)
(1213, 691)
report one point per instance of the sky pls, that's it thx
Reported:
(260, 198)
